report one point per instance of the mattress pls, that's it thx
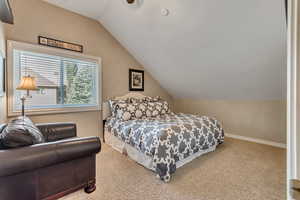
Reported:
(164, 143)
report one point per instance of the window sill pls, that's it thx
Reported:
(55, 111)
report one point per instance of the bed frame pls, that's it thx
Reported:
(131, 152)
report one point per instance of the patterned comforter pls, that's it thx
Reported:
(169, 138)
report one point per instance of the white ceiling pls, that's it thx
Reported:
(204, 49)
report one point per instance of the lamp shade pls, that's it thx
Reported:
(27, 83)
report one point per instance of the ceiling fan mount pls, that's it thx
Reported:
(130, 1)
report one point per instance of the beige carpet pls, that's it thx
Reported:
(237, 170)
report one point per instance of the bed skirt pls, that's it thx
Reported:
(141, 158)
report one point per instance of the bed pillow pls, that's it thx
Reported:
(129, 111)
(112, 105)
(145, 99)
(158, 108)
(21, 132)
(140, 110)
(152, 99)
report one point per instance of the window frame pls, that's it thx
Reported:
(14, 45)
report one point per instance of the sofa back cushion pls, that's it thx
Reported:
(20, 132)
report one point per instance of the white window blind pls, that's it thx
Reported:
(63, 82)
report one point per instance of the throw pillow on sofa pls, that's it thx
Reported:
(2, 127)
(21, 132)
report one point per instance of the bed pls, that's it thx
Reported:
(161, 141)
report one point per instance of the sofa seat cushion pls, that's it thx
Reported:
(21, 132)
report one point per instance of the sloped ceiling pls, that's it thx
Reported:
(204, 49)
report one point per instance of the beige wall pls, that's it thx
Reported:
(256, 119)
(35, 17)
(2, 99)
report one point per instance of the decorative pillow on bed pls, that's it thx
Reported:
(128, 111)
(146, 99)
(112, 105)
(140, 110)
(154, 109)
(152, 99)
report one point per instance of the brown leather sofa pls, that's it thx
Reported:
(49, 170)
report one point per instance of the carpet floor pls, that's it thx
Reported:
(237, 170)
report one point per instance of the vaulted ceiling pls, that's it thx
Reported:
(202, 49)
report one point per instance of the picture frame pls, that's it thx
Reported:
(50, 42)
(2, 75)
(136, 80)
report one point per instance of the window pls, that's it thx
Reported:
(66, 83)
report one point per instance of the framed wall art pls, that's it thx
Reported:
(136, 80)
(60, 44)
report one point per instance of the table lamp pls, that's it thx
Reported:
(27, 83)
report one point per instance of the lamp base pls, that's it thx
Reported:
(23, 105)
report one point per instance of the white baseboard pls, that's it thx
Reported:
(260, 141)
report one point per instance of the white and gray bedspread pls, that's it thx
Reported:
(169, 138)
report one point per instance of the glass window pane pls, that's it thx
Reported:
(79, 83)
(61, 81)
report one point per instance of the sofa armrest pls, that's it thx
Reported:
(57, 131)
(14, 161)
